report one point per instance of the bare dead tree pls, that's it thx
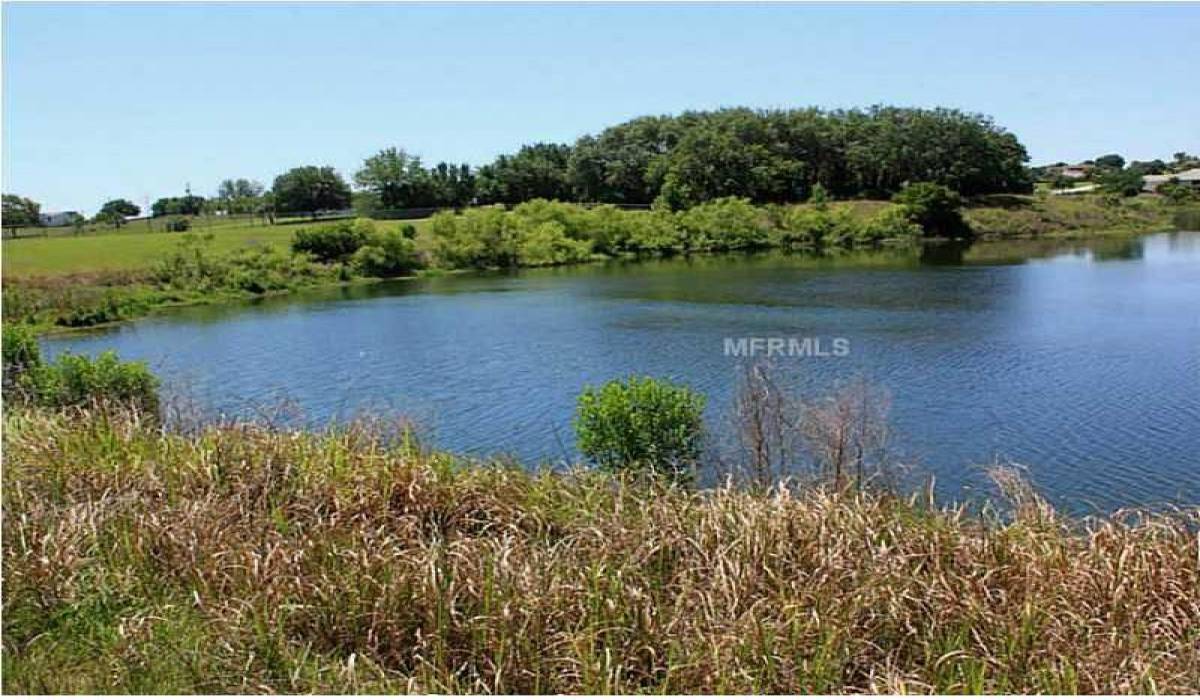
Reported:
(765, 419)
(847, 434)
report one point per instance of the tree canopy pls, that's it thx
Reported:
(310, 188)
(172, 206)
(114, 211)
(20, 211)
(694, 157)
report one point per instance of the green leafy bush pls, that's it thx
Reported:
(814, 225)
(889, 223)
(110, 306)
(178, 224)
(22, 354)
(643, 425)
(391, 254)
(935, 208)
(478, 238)
(728, 223)
(76, 380)
(334, 242)
(73, 380)
(1176, 192)
(1126, 183)
(548, 244)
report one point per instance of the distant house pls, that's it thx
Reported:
(1191, 178)
(1078, 171)
(58, 218)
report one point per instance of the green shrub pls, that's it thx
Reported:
(935, 208)
(479, 237)
(75, 380)
(653, 232)
(575, 220)
(334, 242)
(21, 349)
(1176, 192)
(111, 306)
(1126, 183)
(548, 244)
(889, 223)
(388, 255)
(22, 354)
(610, 229)
(178, 224)
(815, 225)
(728, 223)
(643, 425)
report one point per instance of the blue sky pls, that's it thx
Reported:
(135, 101)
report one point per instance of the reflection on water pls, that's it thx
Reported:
(1078, 359)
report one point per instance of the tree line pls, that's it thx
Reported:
(765, 156)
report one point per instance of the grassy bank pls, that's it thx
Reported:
(245, 559)
(91, 280)
(137, 248)
(1019, 216)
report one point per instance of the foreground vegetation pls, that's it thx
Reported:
(241, 558)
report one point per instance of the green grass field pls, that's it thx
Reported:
(136, 246)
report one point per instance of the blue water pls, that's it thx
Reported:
(1081, 361)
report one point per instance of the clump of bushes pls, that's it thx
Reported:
(73, 380)
(193, 268)
(335, 242)
(1177, 193)
(935, 208)
(548, 244)
(390, 254)
(477, 238)
(178, 224)
(362, 246)
(643, 426)
(728, 223)
(890, 223)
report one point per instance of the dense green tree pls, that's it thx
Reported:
(187, 205)
(1126, 183)
(310, 188)
(1151, 167)
(1111, 161)
(395, 179)
(935, 208)
(19, 212)
(239, 196)
(779, 155)
(451, 185)
(115, 211)
(538, 170)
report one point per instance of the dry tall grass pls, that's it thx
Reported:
(245, 559)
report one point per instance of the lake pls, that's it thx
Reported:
(1079, 360)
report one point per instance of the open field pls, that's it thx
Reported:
(244, 559)
(134, 248)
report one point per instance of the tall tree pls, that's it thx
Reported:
(396, 179)
(537, 170)
(310, 188)
(115, 211)
(19, 212)
(239, 196)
